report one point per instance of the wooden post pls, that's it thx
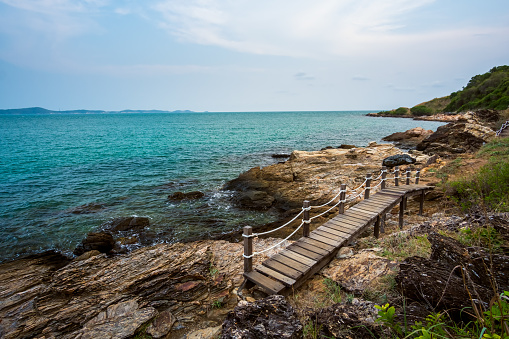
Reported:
(384, 176)
(417, 176)
(396, 176)
(377, 227)
(421, 203)
(408, 176)
(368, 186)
(342, 197)
(248, 249)
(382, 224)
(305, 218)
(401, 211)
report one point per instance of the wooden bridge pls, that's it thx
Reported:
(292, 266)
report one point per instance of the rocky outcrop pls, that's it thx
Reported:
(186, 196)
(314, 176)
(96, 241)
(456, 138)
(398, 160)
(409, 139)
(47, 296)
(135, 224)
(272, 317)
(455, 277)
(345, 321)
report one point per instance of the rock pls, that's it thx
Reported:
(455, 138)
(161, 325)
(119, 321)
(314, 176)
(410, 138)
(100, 241)
(186, 196)
(360, 271)
(49, 296)
(277, 156)
(345, 321)
(272, 317)
(398, 160)
(372, 144)
(87, 255)
(345, 146)
(453, 275)
(257, 200)
(127, 224)
(344, 252)
(207, 333)
(87, 208)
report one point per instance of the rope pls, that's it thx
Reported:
(504, 126)
(355, 189)
(381, 173)
(279, 243)
(327, 203)
(319, 215)
(280, 227)
(358, 195)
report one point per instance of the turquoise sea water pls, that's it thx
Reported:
(130, 163)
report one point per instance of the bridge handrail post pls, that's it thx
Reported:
(396, 176)
(342, 197)
(417, 176)
(306, 219)
(368, 186)
(384, 176)
(248, 249)
(408, 172)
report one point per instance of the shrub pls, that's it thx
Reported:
(421, 110)
(400, 111)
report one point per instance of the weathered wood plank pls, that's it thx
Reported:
(309, 247)
(290, 263)
(276, 275)
(318, 244)
(305, 252)
(327, 235)
(330, 228)
(298, 257)
(325, 240)
(283, 269)
(271, 286)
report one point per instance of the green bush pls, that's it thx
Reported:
(400, 111)
(421, 110)
(488, 188)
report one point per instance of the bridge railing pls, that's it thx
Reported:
(362, 191)
(504, 126)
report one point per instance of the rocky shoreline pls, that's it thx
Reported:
(186, 290)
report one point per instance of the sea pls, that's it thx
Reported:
(128, 164)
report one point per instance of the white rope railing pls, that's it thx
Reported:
(274, 246)
(502, 128)
(255, 235)
(306, 220)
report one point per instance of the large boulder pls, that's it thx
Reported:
(410, 138)
(398, 160)
(100, 241)
(456, 138)
(272, 317)
(186, 196)
(127, 224)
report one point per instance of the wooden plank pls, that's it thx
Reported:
(291, 263)
(271, 286)
(347, 221)
(326, 235)
(298, 257)
(319, 244)
(347, 232)
(276, 275)
(283, 269)
(325, 240)
(335, 231)
(363, 210)
(305, 252)
(369, 209)
(355, 217)
(310, 247)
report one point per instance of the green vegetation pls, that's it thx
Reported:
(483, 236)
(493, 323)
(311, 330)
(488, 90)
(333, 290)
(421, 110)
(396, 112)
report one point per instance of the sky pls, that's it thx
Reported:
(241, 55)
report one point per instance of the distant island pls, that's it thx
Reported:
(41, 111)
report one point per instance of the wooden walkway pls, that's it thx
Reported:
(291, 267)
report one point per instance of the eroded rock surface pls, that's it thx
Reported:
(272, 317)
(47, 296)
(410, 138)
(315, 176)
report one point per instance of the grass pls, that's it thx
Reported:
(312, 330)
(400, 247)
